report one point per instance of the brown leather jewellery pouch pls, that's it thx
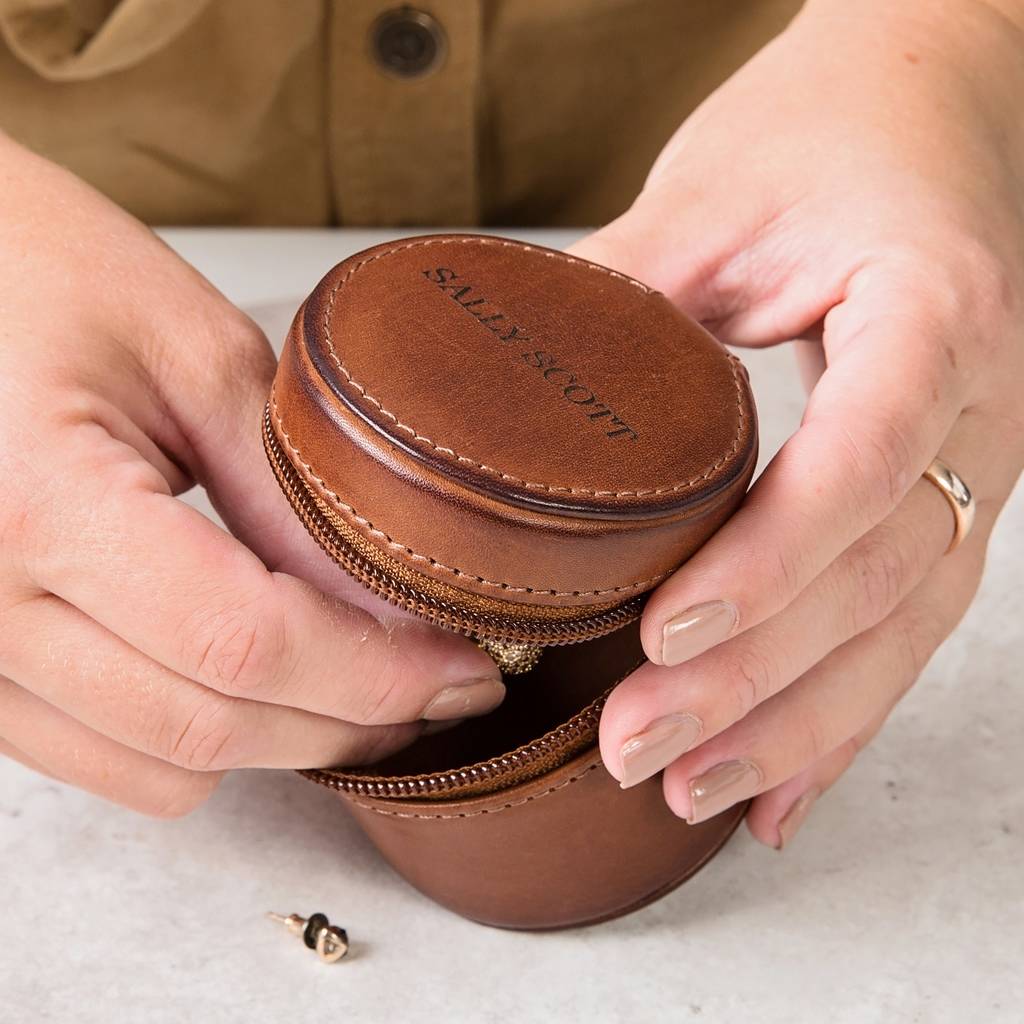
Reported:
(518, 445)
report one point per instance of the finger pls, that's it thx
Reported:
(189, 397)
(62, 656)
(45, 737)
(174, 586)
(776, 816)
(214, 390)
(659, 712)
(865, 440)
(827, 706)
(10, 751)
(192, 370)
(676, 242)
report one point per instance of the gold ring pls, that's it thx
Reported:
(958, 494)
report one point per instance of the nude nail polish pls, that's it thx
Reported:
(467, 700)
(795, 817)
(665, 739)
(722, 786)
(697, 629)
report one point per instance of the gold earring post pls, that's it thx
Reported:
(329, 941)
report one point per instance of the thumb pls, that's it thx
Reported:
(667, 242)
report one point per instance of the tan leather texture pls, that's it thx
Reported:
(570, 848)
(511, 421)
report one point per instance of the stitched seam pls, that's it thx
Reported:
(450, 453)
(343, 507)
(476, 814)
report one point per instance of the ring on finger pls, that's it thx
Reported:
(958, 494)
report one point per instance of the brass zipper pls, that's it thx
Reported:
(550, 751)
(488, 619)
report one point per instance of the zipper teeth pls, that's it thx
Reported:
(432, 608)
(526, 762)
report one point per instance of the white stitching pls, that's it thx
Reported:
(343, 507)
(475, 814)
(483, 467)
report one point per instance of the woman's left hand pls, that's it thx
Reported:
(858, 184)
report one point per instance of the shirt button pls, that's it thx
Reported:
(408, 43)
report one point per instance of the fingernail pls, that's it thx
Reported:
(795, 817)
(473, 698)
(722, 786)
(695, 630)
(665, 739)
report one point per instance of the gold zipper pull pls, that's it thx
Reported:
(513, 659)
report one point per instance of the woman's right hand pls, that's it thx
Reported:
(143, 650)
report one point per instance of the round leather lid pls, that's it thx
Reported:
(532, 377)
(509, 422)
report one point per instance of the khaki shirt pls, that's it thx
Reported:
(363, 112)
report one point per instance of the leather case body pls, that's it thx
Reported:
(561, 848)
(518, 445)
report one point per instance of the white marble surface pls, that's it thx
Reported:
(901, 901)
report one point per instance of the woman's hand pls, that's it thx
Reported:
(142, 649)
(859, 183)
